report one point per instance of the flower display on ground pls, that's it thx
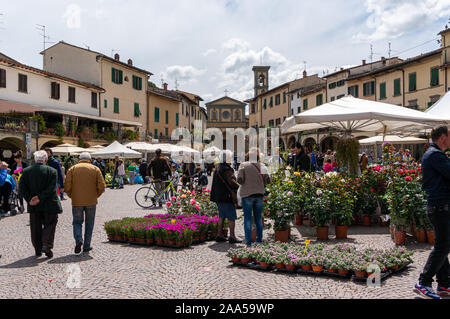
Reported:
(187, 202)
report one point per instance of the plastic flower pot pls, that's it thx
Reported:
(159, 241)
(140, 240)
(333, 271)
(306, 267)
(317, 268)
(341, 232)
(298, 220)
(421, 236)
(290, 267)
(366, 221)
(430, 236)
(264, 264)
(282, 236)
(149, 242)
(322, 233)
(245, 260)
(394, 267)
(361, 274)
(343, 272)
(280, 266)
(400, 238)
(235, 259)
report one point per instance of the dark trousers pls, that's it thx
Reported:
(437, 264)
(5, 192)
(43, 227)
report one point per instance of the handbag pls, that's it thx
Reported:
(232, 193)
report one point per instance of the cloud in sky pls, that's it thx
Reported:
(212, 45)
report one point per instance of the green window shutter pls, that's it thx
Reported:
(177, 119)
(137, 111)
(299, 109)
(319, 99)
(113, 72)
(105, 103)
(120, 77)
(305, 104)
(397, 87)
(434, 77)
(265, 103)
(156, 114)
(365, 89)
(134, 82)
(116, 105)
(412, 81)
(156, 132)
(271, 101)
(382, 90)
(140, 83)
(284, 97)
(167, 117)
(167, 131)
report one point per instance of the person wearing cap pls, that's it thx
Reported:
(84, 185)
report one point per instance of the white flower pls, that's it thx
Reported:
(290, 193)
(318, 192)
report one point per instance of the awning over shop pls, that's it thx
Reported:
(9, 106)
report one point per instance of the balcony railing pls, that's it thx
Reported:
(17, 125)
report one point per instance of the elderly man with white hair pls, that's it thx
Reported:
(84, 185)
(38, 187)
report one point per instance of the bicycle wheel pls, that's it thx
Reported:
(146, 197)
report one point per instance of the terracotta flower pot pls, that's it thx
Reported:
(394, 267)
(392, 230)
(290, 267)
(171, 242)
(186, 242)
(341, 232)
(280, 266)
(317, 268)
(254, 235)
(159, 241)
(140, 240)
(264, 264)
(282, 236)
(430, 236)
(235, 259)
(149, 241)
(322, 233)
(333, 271)
(366, 221)
(180, 243)
(343, 272)
(361, 274)
(400, 238)
(298, 220)
(306, 267)
(421, 236)
(118, 237)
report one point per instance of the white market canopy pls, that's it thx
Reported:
(392, 139)
(67, 149)
(211, 151)
(352, 114)
(441, 108)
(94, 149)
(116, 149)
(165, 148)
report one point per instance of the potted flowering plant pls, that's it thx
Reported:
(320, 211)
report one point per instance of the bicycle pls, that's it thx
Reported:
(147, 196)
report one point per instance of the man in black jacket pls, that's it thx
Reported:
(159, 170)
(436, 183)
(38, 187)
(143, 170)
(301, 161)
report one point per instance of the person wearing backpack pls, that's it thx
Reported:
(253, 176)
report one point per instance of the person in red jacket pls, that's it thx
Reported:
(328, 167)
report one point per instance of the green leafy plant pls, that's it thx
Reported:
(347, 152)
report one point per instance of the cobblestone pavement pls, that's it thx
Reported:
(203, 271)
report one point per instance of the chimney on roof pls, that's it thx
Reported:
(342, 69)
(117, 57)
(130, 62)
(165, 86)
(363, 62)
(305, 74)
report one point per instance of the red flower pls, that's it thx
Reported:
(372, 190)
(401, 172)
(408, 179)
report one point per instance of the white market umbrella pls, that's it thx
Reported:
(441, 108)
(392, 139)
(67, 149)
(116, 149)
(351, 114)
(94, 149)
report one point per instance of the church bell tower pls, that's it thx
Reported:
(261, 79)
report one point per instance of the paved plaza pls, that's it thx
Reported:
(202, 271)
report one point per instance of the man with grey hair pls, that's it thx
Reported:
(38, 187)
(84, 185)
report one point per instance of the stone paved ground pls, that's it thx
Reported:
(124, 271)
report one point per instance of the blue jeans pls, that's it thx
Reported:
(78, 217)
(114, 179)
(253, 206)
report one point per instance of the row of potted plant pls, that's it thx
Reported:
(172, 230)
(192, 202)
(343, 259)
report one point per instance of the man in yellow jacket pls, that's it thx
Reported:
(84, 185)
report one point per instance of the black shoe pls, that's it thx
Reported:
(232, 240)
(78, 248)
(48, 252)
(86, 250)
(38, 253)
(220, 239)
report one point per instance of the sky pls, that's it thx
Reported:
(208, 47)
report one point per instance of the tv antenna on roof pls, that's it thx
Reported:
(176, 84)
(162, 80)
(45, 37)
(87, 46)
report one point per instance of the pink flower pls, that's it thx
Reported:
(168, 204)
(198, 207)
(174, 199)
(193, 201)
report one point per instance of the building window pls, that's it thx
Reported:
(166, 129)
(54, 90)
(23, 87)
(413, 104)
(137, 83)
(105, 104)
(397, 90)
(177, 119)
(412, 82)
(137, 111)
(271, 123)
(369, 88)
(332, 85)
(253, 108)
(71, 94)
(292, 98)
(226, 115)
(340, 96)
(156, 115)
(319, 99)
(2, 78)
(333, 98)
(116, 105)
(382, 91)
(299, 109)
(340, 83)
(167, 117)
(156, 133)
(433, 99)
(284, 97)
(182, 109)
(278, 122)
(298, 95)
(271, 101)
(305, 104)
(277, 99)
(214, 115)
(93, 99)
(353, 91)
(265, 104)
(434, 78)
(117, 76)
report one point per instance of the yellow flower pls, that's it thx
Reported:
(173, 221)
(290, 182)
(297, 174)
(183, 196)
